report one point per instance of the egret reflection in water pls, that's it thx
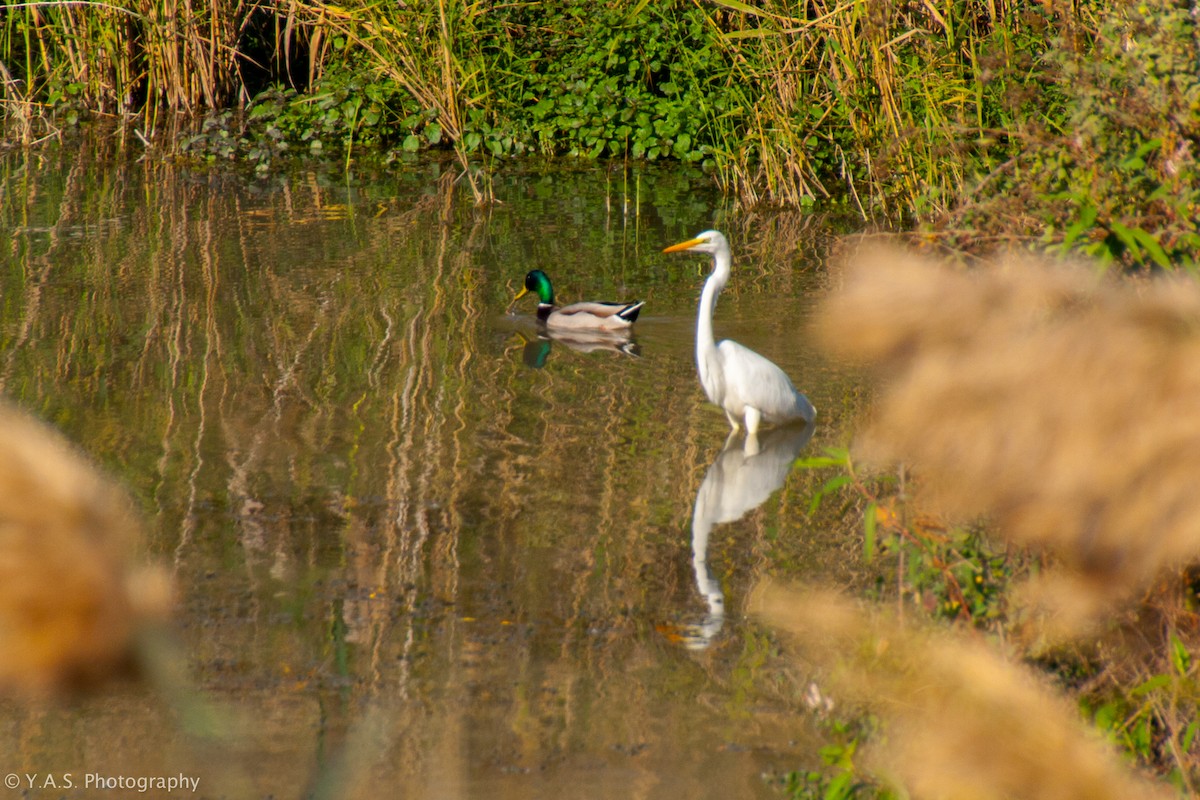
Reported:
(739, 481)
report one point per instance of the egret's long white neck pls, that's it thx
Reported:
(705, 343)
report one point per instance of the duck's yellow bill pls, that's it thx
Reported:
(675, 248)
(513, 302)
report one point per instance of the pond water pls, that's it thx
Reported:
(420, 551)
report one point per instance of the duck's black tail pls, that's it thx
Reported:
(630, 314)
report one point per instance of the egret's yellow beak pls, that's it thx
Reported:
(689, 244)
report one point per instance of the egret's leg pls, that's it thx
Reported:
(733, 421)
(753, 417)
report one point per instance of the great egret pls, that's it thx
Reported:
(577, 316)
(734, 377)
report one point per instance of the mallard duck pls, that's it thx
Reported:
(578, 316)
(735, 377)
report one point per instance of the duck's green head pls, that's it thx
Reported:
(537, 283)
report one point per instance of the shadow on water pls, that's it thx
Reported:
(406, 559)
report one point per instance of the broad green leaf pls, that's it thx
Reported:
(1150, 243)
(751, 33)
(1181, 659)
(1189, 735)
(1087, 219)
(734, 5)
(1157, 682)
(1126, 236)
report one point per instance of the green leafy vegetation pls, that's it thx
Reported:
(1144, 702)
(840, 777)
(1110, 169)
(1075, 127)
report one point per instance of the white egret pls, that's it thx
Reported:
(734, 377)
(577, 316)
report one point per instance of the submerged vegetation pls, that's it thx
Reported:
(1073, 124)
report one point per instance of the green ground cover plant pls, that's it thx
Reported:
(1071, 126)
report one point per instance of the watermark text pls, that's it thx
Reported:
(33, 781)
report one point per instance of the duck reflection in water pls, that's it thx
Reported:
(537, 347)
(739, 481)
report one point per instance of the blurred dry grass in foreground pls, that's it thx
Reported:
(72, 599)
(1062, 408)
(962, 721)
(1061, 405)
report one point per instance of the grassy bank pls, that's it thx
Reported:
(1076, 124)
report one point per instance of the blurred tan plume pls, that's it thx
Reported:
(962, 722)
(1061, 404)
(72, 596)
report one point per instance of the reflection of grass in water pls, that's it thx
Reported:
(348, 448)
(1061, 407)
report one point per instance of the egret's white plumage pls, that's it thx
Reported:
(735, 377)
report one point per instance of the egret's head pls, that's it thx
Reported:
(707, 242)
(537, 283)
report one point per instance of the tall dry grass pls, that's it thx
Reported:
(73, 597)
(432, 50)
(152, 55)
(891, 100)
(1059, 404)
(961, 721)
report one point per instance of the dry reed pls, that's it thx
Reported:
(71, 599)
(1059, 403)
(961, 721)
